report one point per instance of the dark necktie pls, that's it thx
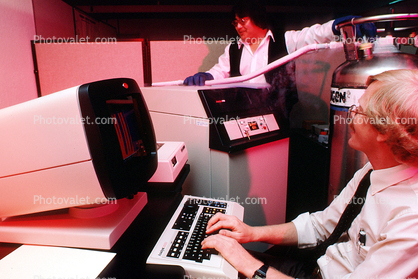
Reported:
(349, 214)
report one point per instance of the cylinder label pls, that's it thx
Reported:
(345, 97)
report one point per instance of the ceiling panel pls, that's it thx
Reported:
(128, 8)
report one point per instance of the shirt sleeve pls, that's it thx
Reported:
(305, 230)
(316, 34)
(222, 68)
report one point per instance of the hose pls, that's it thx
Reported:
(269, 67)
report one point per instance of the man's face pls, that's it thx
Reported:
(363, 134)
(247, 29)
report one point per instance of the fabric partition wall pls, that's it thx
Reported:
(176, 60)
(61, 65)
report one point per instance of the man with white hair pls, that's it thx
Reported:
(381, 239)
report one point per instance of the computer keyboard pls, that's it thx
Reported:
(180, 243)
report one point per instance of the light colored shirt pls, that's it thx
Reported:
(389, 218)
(251, 62)
(315, 34)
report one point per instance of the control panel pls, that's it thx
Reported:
(243, 117)
(247, 127)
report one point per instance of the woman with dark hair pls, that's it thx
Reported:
(259, 45)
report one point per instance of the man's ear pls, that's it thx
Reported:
(382, 137)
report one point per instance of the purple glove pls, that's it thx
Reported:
(198, 79)
(368, 29)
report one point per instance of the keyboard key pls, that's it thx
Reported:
(194, 249)
(178, 244)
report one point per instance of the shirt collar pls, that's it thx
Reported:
(384, 178)
(269, 34)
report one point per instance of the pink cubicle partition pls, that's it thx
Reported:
(176, 60)
(64, 65)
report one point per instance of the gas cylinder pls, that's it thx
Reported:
(348, 85)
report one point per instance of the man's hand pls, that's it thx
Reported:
(230, 226)
(234, 253)
(238, 257)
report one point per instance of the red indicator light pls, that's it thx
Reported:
(125, 85)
